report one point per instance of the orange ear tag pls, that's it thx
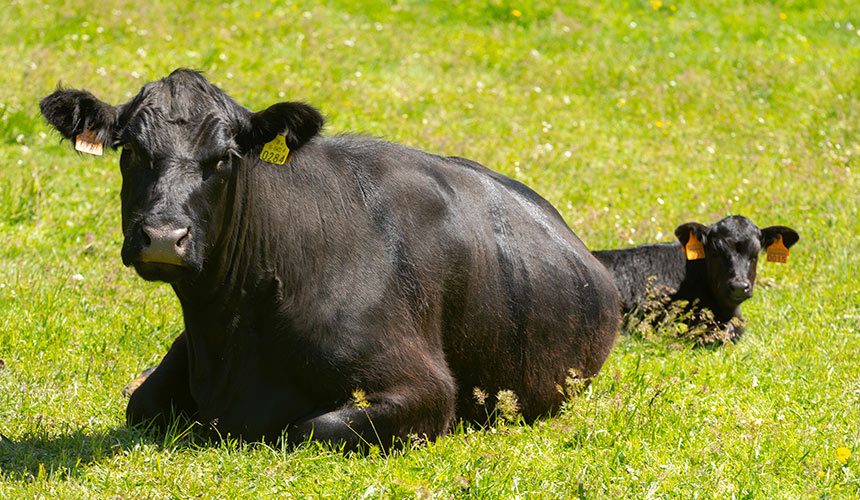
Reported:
(694, 248)
(276, 151)
(88, 142)
(777, 251)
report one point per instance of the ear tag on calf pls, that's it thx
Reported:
(694, 248)
(276, 151)
(777, 251)
(87, 142)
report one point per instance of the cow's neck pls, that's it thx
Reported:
(239, 273)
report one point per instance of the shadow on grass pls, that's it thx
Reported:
(34, 457)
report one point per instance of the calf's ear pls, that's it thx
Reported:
(772, 233)
(682, 232)
(73, 112)
(298, 122)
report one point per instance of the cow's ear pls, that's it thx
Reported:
(682, 232)
(770, 234)
(73, 112)
(298, 122)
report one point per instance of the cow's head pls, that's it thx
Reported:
(182, 138)
(731, 248)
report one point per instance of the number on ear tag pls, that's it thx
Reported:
(777, 251)
(694, 248)
(276, 151)
(88, 142)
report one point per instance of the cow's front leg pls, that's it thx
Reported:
(381, 419)
(164, 393)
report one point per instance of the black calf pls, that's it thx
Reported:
(713, 266)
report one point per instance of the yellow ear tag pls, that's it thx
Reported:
(87, 142)
(694, 248)
(276, 151)
(777, 251)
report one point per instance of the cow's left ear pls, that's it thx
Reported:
(772, 233)
(298, 122)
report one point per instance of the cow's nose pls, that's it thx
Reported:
(164, 244)
(740, 288)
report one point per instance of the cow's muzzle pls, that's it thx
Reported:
(164, 244)
(740, 290)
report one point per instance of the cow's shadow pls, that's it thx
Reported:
(68, 455)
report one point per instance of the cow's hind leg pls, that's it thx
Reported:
(165, 393)
(383, 419)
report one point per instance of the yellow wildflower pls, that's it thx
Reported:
(516, 13)
(656, 4)
(842, 454)
(659, 124)
(783, 16)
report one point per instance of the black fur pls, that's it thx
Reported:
(720, 282)
(359, 265)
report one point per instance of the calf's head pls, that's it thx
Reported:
(731, 248)
(182, 141)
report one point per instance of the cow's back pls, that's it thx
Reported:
(638, 269)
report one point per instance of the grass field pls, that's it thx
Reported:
(630, 117)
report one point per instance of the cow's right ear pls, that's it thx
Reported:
(72, 112)
(682, 232)
(297, 121)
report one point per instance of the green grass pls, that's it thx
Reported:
(630, 119)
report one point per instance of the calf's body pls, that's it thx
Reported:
(358, 267)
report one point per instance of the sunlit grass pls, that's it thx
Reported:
(631, 118)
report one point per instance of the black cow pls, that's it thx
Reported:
(355, 267)
(718, 276)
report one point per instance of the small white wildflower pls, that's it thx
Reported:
(538, 90)
(141, 52)
(568, 154)
(85, 37)
(20, 139)
(135, 74)
(761, 120)
(671, 55)
(378, 26)
(349, 42)
(711, 149)
(754, 381)
(100, 29)
(222, 56)
(77, 277)
(633, 24)
(43, 135)
(229, 75)
(660, 201)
